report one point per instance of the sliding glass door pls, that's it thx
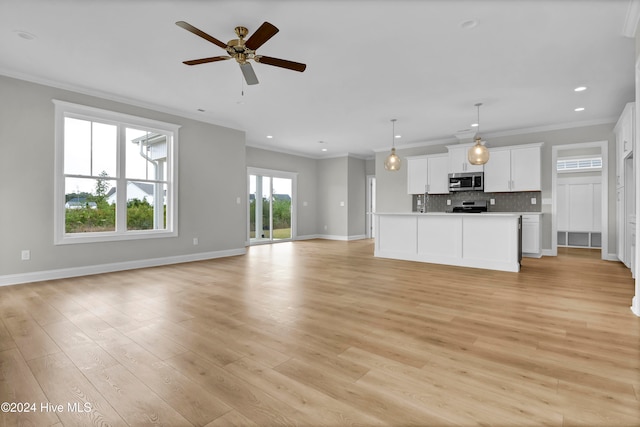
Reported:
(271, 207)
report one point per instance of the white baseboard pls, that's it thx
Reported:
(343, 238)
(308, 237)
(635, 305)
(39, 276)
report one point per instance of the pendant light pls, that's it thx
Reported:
(392, 162)
(479, 153)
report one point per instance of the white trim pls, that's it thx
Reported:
(498, 134)
(635, 301)
(341, 238)
(631, 19)
(38, 276)
(308, 237)
(604, 173)
(272, 173)
(68, 109)
(612, 257)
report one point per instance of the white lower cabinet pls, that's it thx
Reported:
(531, 236)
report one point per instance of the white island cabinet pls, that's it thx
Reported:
(486, 240)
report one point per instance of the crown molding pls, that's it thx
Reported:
(634, 9)
(308, 156)
(509, 132)
(117, 98)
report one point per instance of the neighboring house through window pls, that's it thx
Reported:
(115, 176)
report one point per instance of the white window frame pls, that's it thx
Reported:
(65, 109)
(582, 164)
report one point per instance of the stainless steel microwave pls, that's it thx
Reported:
(466, 181)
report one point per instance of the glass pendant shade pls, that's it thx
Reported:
(392, 162)
(478, 154)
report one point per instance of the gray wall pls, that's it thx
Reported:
(307, 170)
(212, 175)
(323, 184)
(333, 189)
(357, 183)
(391, 186)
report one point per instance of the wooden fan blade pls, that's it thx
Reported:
(201, 33)
(205, 60)
(283, 63)
(261, 35)
(249, 74)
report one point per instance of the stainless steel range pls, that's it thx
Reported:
(469, 206)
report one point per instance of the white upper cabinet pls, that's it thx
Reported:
(497, 171)
(438, 174)
(417, 174)
(459, 161)
(513, 169)
(427, 174)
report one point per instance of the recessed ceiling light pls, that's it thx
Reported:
(325, 149)
(25, 35)
(579, 109)
(580, 89)
(270, 136)
(398, 136)
(474, 125)
(471, 23)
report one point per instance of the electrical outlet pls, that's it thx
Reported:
(448, 202)
(341, 203)
(305, 203)
(534, 201)
(325, 227)
(26, 255)
(195, 241)
(492, 201)
(238, 201)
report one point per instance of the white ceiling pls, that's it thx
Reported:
(367, 62)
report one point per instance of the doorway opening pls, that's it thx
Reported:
(371, 206)
(580, 214)
(271, 206)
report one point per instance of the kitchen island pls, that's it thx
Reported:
(481, 240)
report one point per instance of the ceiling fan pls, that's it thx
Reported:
(242, 50)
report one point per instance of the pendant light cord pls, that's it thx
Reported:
(393, 133)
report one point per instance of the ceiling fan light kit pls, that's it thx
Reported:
(479, 153)
(243, 51)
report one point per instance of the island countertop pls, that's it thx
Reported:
(488, 240)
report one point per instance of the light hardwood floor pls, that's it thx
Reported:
(322, 333)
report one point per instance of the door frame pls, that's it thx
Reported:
(293, 176)
(604, 176)
(370, 206)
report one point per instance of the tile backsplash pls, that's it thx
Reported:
(505, 202)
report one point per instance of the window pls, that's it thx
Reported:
(579, 164)
(115, 176)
